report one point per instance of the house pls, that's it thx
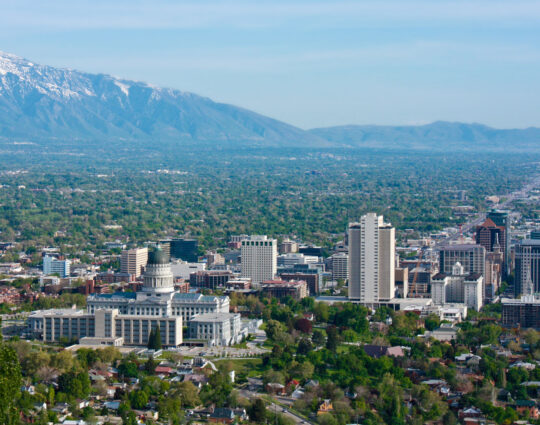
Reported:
(292, 385)
(222, 416)
(196, 379)
(524, 365)
(275, 388)
(325, 407)
(470, 412)
(297, 393)
(147, 415)
(312, 383)
(465, 357)
(40, 406)
(62, 408)
(527, 406)
(444, 333)
(163, 370)
(377, 351)
(30, 389)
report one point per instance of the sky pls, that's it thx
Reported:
(313, 63)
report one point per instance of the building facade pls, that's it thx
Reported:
(458, 287)
(496, 230)
(472, 258)
(340, 266)
(133, 261)
(527, 259)
(371, 260)
(521, 312)
(259, 258)
(211, 279)
(282, 288)
(131, 315)
(51, 265)
(216, 328)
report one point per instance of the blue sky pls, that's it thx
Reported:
(309, 63)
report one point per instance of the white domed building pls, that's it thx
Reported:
(128, 317)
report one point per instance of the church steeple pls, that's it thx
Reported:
(496, 244)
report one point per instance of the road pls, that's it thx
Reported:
(479, 218)
(250, 394)
(289, 414)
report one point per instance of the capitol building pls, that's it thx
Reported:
(127, 318)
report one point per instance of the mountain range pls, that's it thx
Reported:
(41, 103)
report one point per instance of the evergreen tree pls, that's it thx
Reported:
(157, 339)
(10, 384)
(154, 339)
(151, 340)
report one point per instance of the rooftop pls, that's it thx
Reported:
(213, 317)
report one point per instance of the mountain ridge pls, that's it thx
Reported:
(39, 101)
(43, 103)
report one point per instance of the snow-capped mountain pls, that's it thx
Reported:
(42, 102)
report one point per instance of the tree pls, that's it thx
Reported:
(257, 411)
(333, 338)
(318, 337)
(150, 365)
(304, 346)
(74, 384)
(303, 325)
(10, 383)
(128, 369)
(154, 339)
(138, 399)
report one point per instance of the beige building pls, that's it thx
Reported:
(133, 261)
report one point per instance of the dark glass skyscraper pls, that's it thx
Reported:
(185, 249)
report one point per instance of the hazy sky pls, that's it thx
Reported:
(309, 63)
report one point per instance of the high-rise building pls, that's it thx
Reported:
(527, 258)
(133, 261)
(340, 266)
(259, 258)
(371, 260)
(52, 265)
(494, 267)
(521, 312)
(472, 258)
(288, 247)
(184, 249)
(535, 234)
(496, 227)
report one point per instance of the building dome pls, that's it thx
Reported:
(158, 256)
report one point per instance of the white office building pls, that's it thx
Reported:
(458, 287)
(290, 259)
(216, 328)
(53, 266)
(129, 317)
(340, 266)
(371, 260)
(259, 258)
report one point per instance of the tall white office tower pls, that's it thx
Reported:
(371, 260)
(259, 258)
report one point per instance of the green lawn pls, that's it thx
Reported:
(248, 367)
